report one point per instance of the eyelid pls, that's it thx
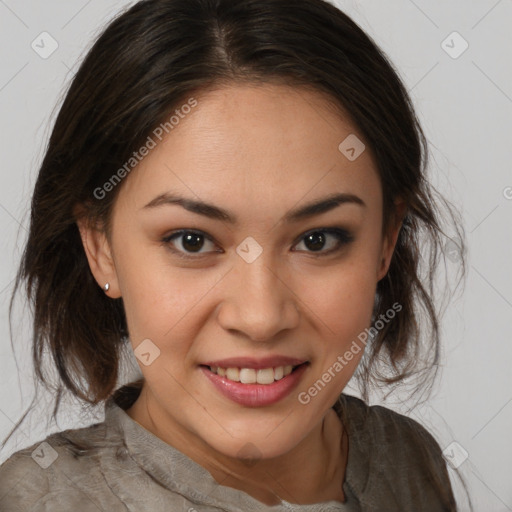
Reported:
(324, 229)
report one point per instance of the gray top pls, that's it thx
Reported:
(118, 465)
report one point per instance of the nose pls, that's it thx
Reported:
(258, 301)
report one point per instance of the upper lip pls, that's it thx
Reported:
(257, 364)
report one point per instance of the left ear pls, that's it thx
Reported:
(390, 238)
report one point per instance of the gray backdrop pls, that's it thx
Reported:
(455, 59)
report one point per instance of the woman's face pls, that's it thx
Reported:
(251, 278)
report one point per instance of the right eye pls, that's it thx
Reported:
(186, 242)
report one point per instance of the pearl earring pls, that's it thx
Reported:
(106, 287)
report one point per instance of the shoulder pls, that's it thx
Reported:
(399, 455)
(60, 466)
(378, 425)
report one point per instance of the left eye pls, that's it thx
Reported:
(315, 241)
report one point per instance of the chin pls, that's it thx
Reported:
(252, 445)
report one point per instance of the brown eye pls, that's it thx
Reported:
(189, 242)
(319, 239)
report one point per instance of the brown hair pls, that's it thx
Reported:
(148, 61)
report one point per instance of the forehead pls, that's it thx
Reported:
(257, 146)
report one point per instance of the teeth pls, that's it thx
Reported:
(233, 374)
(248, 376)
(265, 376)
(252, 376)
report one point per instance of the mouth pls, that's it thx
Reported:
(255, 387)
(264, 376)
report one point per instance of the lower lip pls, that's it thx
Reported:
(256, 395)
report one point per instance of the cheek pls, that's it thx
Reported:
(341, 306)
(163, 302)
(341, 300)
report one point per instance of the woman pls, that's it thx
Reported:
(237, 190)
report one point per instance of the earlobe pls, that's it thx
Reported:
(99, 255)
(391, 239)
(388, 249)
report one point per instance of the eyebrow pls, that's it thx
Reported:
(214, 212)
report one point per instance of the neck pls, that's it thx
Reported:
(312, 472)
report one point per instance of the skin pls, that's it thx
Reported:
(258, 152)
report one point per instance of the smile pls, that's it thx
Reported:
(255, 387)
(252, 376)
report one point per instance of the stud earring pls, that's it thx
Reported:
(106, 287)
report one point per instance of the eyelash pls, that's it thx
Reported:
(343, 236)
